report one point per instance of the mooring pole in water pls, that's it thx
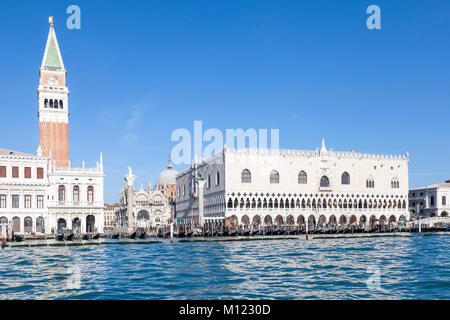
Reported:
(171, 232)
(306, 230)
(420, 227)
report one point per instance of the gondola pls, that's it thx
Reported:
(96, 236)
(59, 237)
(268, 233)
(181, 234)
(18, 238)
(246, 233)
(282, 232)
(115, 236)
(189, 234)
(69, 237)
(133, 235)
(220, 234)
(142, 235)
(233, 233)
(85, 236)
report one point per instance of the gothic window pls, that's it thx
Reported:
(246, 176)
(61, 193)
(370, 183)
(51, 103)
(394, 183)
(60, 104)
(274, 177)
(208, 181)
(302, 177)
(345, 178)
(324, 182)
(217, 178)
(46, 103)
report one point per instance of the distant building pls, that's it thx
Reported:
(150, 207)
(430, 201)
(109, 216)
(290, 187)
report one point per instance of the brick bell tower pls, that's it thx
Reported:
(53, 96)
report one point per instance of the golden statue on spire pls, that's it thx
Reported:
(50, 20)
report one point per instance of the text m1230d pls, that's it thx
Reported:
(248, 309)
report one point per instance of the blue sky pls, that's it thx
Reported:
(137, 70)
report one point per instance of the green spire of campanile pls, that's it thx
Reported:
(52, 55)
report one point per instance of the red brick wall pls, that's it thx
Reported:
(55, 137)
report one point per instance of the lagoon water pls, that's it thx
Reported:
(352, 268)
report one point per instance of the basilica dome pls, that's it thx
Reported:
(167, 176)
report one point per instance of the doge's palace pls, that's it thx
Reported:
(291, 187)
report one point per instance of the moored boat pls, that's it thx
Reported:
(142, 235)
(69, 237)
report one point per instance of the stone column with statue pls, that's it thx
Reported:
(130, 195)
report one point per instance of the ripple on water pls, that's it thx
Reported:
(409, 268)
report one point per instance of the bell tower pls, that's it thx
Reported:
(53, 96)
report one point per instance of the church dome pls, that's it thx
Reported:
(167, 176)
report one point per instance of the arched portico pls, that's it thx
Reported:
(268, 220)
(332, 219)
(40, 225)
(311, 222)
(61, 225)
(363, 220)
(28, 225)
(256, 220)
(90, 223)
(290, 220)
(279, 220)
(301, 221)
(245, 220)
(76, 225)
(322, 221)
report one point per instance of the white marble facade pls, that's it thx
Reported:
(275, 187)
(38, 198)
(76, 198)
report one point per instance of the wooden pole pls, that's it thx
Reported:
(307, 226)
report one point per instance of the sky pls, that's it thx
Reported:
(138, 70)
